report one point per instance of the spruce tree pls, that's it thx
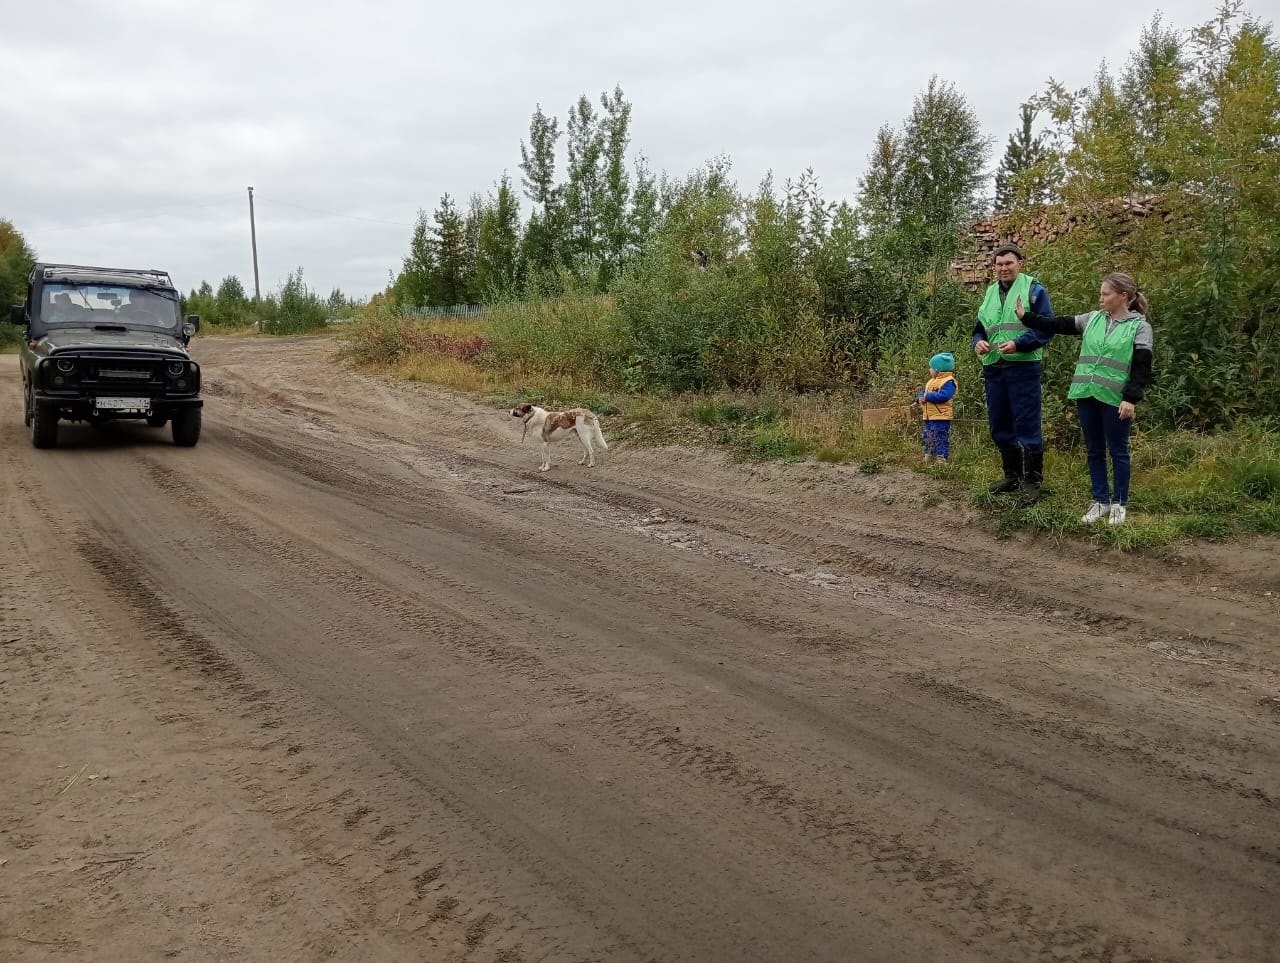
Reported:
(1021, 179)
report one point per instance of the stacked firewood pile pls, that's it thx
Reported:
(1041, 228)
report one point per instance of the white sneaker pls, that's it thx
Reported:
(1117, 515)
(1096, 512)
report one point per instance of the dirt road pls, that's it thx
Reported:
(351, 680)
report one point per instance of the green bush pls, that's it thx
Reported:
(720, 413)
(376, 339)
(297, 309)
(774, 441)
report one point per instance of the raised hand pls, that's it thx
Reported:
(1018, 309)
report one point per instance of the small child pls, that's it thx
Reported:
(935, 404)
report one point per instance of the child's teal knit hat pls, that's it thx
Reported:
(945, 361)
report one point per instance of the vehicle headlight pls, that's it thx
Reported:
(177, 369)
(66, 365)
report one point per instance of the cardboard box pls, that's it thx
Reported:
(886, 417)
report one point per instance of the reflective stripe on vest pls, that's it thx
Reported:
(1102, 370)
(1106, 362)
(1001, 323)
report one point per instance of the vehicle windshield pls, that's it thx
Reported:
(90, 304)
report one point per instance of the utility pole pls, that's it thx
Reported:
(253, 237)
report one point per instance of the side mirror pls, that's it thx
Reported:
(194, 321)
(18, 314)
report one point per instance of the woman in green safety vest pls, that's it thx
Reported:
(1114, 368)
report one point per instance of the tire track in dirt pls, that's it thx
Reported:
(45, 566)
(877, 555)
(107, 551)
(879, 552)
(1145, 756)
(1094, 740)
(187, 648)
(885, 626)
(819, 822)
(1102, 625)
(1044, 728)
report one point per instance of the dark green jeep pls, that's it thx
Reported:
(104, 344)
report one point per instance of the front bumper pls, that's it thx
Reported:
(106, 375)
(77, 407)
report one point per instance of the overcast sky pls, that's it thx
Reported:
(130, 128)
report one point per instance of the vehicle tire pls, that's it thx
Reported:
(26, 405)
(157, 421)
(186, 427)
(44, 425)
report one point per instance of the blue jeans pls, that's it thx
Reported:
(937, 438)
(1013, 404)
(1105, 432)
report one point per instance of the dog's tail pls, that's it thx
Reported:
(597, 436)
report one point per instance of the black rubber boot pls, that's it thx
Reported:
(1029, 490)
(1011, 459)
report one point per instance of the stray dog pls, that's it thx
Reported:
(554, 425)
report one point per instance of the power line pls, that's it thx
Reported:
(352, 217)
(179, 209)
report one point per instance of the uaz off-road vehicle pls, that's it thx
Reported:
(104, 344)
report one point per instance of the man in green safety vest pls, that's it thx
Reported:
(1011, 370)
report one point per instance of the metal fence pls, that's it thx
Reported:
(445, 311)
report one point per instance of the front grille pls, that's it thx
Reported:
(129, 374)
(124, 374)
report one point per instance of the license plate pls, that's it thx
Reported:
(123, 404)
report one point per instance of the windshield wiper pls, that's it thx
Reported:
(167, 293)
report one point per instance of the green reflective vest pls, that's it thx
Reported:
(1102, 370)
(1001, 324)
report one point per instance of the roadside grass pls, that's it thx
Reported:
(1185, 485)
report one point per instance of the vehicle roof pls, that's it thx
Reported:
(86, 274)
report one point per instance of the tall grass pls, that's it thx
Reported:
(576, 336)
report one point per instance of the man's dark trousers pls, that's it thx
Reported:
(1013, 405)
